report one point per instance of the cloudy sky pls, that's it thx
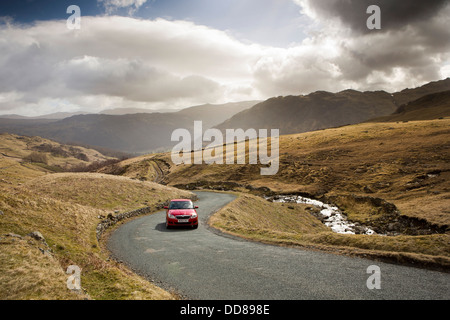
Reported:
(179, 53)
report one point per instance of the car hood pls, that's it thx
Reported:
(182, 212)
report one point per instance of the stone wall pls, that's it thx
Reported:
(113, 219)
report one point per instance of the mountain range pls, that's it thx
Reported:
(321, 109)
(63, 115)
(150, 132)
(429, 107)
(132, 133)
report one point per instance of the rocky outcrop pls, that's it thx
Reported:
(390, 221)
(37, 236)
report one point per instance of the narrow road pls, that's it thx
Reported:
(202, 264)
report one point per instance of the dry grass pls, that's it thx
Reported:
(251, 214)
(406, 164)
(16, 165)
(254, 218)
(20, 147)
(391, 161)
(41, 276)
(13, 172)
(100, 190)
(65, 208)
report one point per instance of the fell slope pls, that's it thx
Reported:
(392, 177)
(321, 110)
(318, 110)
(432, 106)
(23, 157)
(65, 208)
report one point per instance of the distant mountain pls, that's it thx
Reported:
(122, 111)
(63, 115)
(149, 132)
(13, 116)
(20, 125)
(214, 114)
(321, 110)
(133, 133)
(318, 110)
(429, 107)
(51, 116)
(408, 95)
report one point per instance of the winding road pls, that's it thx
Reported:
(204, 264)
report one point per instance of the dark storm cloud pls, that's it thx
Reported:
(412, 45)
(395, 14)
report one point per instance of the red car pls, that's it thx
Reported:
(181, 212)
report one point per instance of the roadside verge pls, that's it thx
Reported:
(287, 224)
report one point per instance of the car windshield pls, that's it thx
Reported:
(181, 205)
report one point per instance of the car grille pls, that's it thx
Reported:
(183, 217)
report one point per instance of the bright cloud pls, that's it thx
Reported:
(115, 62)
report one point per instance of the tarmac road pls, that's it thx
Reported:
(203, 264)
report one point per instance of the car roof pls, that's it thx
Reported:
(180, 200)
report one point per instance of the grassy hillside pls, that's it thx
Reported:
(429, 107)
(289, 224)
(411, 94)
(22, 157)
(400, 162)
(152, 167)
(66, 209)
(392, 176)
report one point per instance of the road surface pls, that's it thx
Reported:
(203, 264)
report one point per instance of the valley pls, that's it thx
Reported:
(378, 174)
(387, 174)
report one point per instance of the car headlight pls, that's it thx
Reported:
(194, 215)
(171, 216)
